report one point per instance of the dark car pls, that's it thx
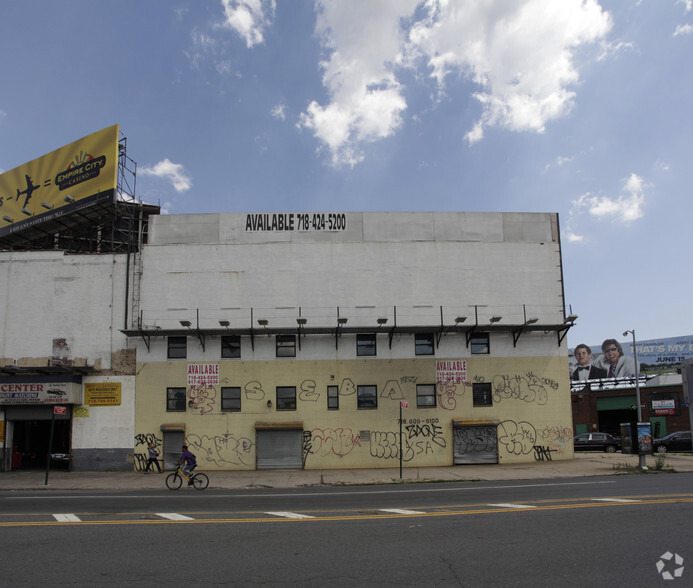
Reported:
(596, 442)
(679, 441)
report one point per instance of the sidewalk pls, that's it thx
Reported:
(584, 465)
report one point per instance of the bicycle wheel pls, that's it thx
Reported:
(173, 481)
(200, 481)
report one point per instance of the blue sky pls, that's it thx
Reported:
(578, 107)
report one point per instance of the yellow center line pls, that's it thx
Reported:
(468, 510)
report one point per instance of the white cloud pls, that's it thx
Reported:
(687, 3)
(173, 172)
(519, 54)
(613, 48)
(560, 161)
(573, 238)
(248, 18)
(627, 207)
(683, 30)
(278, 112)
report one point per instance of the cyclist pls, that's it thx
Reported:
(190, 462)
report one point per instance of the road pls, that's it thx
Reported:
(586, 532)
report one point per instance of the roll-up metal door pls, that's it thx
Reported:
(173, 441)
(279, 449)
(475, 444)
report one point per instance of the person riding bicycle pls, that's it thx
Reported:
(190, 462)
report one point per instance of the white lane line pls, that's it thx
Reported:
(290, 515)
(615, 500)
(513, 505)
(67, 518)
(402, 511)
(173, 516)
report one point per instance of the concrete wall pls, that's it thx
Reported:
(214, 267)
(67, 310)
(69, 305)
(102, 436)
(531, 401)
(241, 268)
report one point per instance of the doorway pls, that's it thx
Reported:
(30, 440)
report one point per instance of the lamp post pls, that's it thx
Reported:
(641, 456)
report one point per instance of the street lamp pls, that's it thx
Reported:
(641, 456)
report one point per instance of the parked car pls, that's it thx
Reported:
(679, 441)
(596, 442)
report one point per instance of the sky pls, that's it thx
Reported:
(580, 107)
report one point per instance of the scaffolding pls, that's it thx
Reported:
(112, 222)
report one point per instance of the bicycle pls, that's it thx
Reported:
(198, 481)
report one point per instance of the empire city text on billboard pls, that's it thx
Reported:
(74, 174)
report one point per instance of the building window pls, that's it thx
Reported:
(365, 344)
(425, 395)
(286, 346)
(231, 399)
(480, 343)
(423, 344)
(230, 346)
(175, 398)
(286, 397)
(177, 347)
(367, 396)
(333, 397)
(481, 394)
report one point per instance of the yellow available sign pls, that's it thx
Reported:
(40, 188)
(102, 394)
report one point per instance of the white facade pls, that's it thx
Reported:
(61, 317)
(416, 262)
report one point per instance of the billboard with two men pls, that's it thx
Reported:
(613, 359)
(51, 185)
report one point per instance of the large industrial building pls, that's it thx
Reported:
(283, 340)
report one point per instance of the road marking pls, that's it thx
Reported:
(287, 517)
(67, 518)
(614, 500)
(402, 511)
(173, 516)
(513, 505)
(290, 515)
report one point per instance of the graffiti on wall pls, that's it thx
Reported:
(308, 393)
(542, 452)
(203, 398)
(474, 440)
(415, 442)
(557, 434)
(518, 438)
(253, 390)
(527, 387)
(143, 440)
(221, 449)
(392, 390)
(324, 442)
(448, 393)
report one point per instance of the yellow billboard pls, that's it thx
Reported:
(70, 176)
(102, 394)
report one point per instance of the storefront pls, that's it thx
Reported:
(33, 407)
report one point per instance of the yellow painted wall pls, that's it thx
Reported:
(531, 402)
